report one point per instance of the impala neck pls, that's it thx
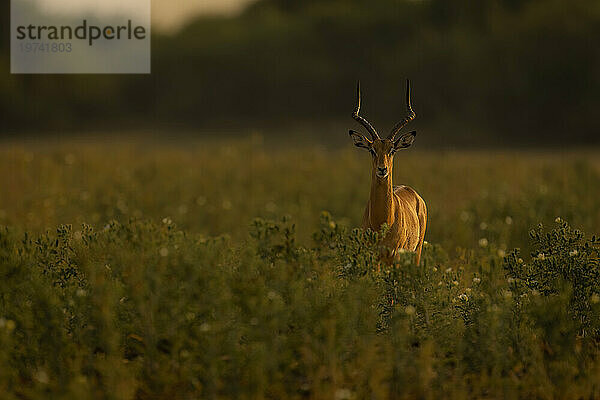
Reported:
(381, 202)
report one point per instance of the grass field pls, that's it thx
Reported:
(233, 270)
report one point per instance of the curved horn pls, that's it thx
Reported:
(361, 120)
(410, 117)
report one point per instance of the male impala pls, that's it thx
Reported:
(400, 207)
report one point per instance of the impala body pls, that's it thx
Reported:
(400, 207)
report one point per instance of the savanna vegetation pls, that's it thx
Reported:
(234, 270)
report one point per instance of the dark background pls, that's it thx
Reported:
(486, 72)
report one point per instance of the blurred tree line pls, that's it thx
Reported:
(511, 71)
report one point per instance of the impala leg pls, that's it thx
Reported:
(422, 227)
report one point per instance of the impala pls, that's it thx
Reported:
(400, 207)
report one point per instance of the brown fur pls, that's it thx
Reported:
(400, 207)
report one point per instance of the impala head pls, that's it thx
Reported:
(383, 150)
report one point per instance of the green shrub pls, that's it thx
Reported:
(562, 258)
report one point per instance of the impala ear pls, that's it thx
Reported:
(359, 140)
(405, 140)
